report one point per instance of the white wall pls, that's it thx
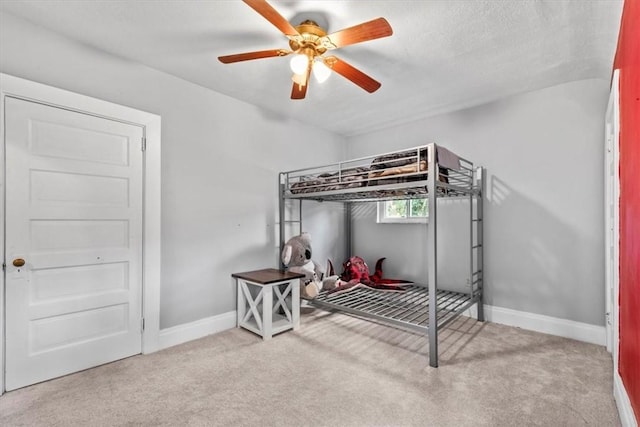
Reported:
(220, 159)
(543, 152)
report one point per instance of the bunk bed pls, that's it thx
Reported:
(402, 174)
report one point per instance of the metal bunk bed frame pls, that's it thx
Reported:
(420, 308)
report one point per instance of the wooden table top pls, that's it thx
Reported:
(267, 276)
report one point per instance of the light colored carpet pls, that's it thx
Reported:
(337, 371)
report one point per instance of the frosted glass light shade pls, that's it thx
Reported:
(320, 71)
(299, 63)
(298, 78)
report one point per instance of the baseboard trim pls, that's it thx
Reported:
(198, 329)
(521, 319)
(627, 418)
(546, 324)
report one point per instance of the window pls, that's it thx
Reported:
(403, 211)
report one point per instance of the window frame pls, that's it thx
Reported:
(383, 219)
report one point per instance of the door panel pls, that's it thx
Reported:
(74, 214)
(58, 140)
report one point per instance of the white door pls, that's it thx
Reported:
(74, 215)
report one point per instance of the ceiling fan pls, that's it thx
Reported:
(309, 42)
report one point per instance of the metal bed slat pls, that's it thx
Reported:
(419, 314)
(403, 313)
(451, 306)
(386, 307)
(409, 309)
(406, 302)
(409, 312)
(345, 297)
(364, 303)
(376, 300)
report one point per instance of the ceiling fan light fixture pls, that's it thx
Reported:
(298, 79)
(320, 71)
(299, 63)
(308, 42)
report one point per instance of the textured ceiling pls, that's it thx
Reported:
(443, 55)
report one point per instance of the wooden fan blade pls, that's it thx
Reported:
(300, 84)
(351, 73)
(298, 91)
(228, 59)
(272, 15)
(370, 30)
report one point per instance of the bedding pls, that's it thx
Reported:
(348, 178)
(396, 165)
(401, 158)
(402, 166)
(375, 176)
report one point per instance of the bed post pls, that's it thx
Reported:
(280, 219)
(473, 226)
(347, 229)
(480, 183)
(432, 263)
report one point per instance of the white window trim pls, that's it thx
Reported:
(382, 219)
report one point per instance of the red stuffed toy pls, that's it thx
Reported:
(356, 273)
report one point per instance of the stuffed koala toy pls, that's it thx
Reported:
(296, 255)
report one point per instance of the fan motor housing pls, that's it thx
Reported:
(311, 32)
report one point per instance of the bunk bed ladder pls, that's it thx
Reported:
(477, 244)
(475, 280)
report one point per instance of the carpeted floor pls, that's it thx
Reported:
(337, 371)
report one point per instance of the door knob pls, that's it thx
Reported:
(18, 262)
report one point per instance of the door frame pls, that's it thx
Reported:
(612, 217)
(11, 86)
(612, 239)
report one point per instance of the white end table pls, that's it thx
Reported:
(259, 314)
